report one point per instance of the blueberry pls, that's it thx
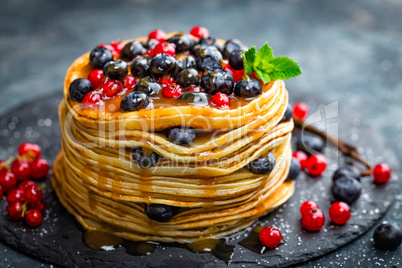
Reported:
(79, 88)
(188, 78)
(99, 57)
(351, 171)
(288, 114)
(132, 50)
(236, 60)
(194, 98)
(210, 41)
(160, 212)
(148, 85)
(346, 189)
(248, 87)
(140, 67)
(134, 101)
(162, 64)
(144, 160)
(387, 236)
(209, 59)
(294, 169)
(217, 81)
(181, 136)
(230, 46)
(149, 43)
(116, 69)
(196, 50)
(186, 61)
(183, 42)
(262, 165)
(310, 144)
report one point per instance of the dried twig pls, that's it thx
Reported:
(344, 147)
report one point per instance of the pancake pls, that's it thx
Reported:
(208, 183)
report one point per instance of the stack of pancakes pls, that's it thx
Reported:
(98, 182)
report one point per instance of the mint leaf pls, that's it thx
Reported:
(265, 53)
(263, 76)
(248, 60)
(284, 68)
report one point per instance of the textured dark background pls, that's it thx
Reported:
(349, 51)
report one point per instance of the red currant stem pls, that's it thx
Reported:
(344, 147)
(7, 163)
(24, 209)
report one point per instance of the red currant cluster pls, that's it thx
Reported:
(24, 197)
(313, 219)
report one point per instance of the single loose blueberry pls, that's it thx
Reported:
(79, 88)
(387, 236)
(142, 160)
(148, 85)
(181, 136)
(262, 165)
(116, 69)
(310, 144)
(99, 57)
(347, 171)
(132, 50)
(288, 114)
(236, 60)
(248, 87)
(294, 169)
(346, 189)
(135, 101)
(160, 212)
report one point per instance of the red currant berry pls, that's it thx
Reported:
(15, 211)
(112, 87)
(3, 166)
(92, 98)
(313, 220)
(15, 195)
(30, 149)
(381, 173)
(221, 100)
(270, 237)
(7, 181)
(172, 91)
(33, 217)
(109, 47)
(166, 80)
(117, 46)
(41, 205)
(95, 77)
(340, 212)
(199, 31)
(33, 194)
(307, 206)
(237, 74)
(300, 110)
(316, 164)
(164, 47)
(130, 82)
(25, 184)
(158, 35)
(20, 168)
(302, 157)
(195, 89)
(39, 168)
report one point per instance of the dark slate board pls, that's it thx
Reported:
(58, 240)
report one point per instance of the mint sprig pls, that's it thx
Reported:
(267, 67)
